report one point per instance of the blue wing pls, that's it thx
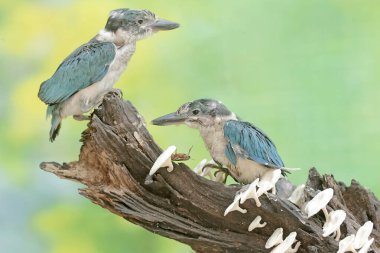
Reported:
(85, 66)
(245, 140)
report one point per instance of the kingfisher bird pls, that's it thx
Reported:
(240, 147)
(87, 74)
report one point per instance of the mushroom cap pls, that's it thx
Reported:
(200, 165)
(256, 223)
(234, 206)
(333, 222)
(275, 238)
(250, 192)
(318, 202)
(362, 234)
(286, 244)
(346, 244)
(366, 246)
(297, 194)
(268, 180)
(163, 160)
(271, 176)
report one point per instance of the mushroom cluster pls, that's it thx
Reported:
(333, 219)
(254, 191)
(360, 241)
(261, 186)
(282, 246)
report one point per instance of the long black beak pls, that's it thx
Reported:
(163, 25)
(169, 119)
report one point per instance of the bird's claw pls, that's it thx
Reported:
(219, 169)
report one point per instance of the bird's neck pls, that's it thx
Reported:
(215, 129)
(120, 38)
(213, 137)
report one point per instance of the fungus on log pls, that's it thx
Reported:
(118, 152)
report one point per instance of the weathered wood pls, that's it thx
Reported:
(117, 154)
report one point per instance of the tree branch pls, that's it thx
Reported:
(117, 154)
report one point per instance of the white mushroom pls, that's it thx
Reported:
(362, 234)
(366, 246)
(200, 165)
(235, 206)
(207, 172)
(164, 160)
(296, 247)
(297, 195)
(333, 222)
(251, 193)
(346, 244)
(256, 224)
(275, 238)
(268, 181)
(286, 245)
(319, 202)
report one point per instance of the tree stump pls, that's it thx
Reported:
(116, 156)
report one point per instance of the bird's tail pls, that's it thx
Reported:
(285, 170)
(53, 111)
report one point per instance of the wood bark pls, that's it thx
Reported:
(116, 156)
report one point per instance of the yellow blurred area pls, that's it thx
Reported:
(53, 223)
(23, 125)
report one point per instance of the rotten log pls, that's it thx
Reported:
(116, 156)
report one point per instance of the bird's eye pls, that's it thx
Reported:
(195, 112)
(140, 21)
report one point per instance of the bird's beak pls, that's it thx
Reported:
(163, 25)
(169, 119)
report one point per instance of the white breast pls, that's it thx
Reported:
(87, 98)
(117, 67)
(213, 137)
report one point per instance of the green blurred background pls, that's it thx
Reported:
(304, 71)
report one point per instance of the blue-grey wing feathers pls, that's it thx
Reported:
(85, 66)
(245, 140)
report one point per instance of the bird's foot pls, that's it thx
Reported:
(221, 172)
(81, 117)
(118, 92)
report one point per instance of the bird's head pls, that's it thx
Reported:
(197, 114)
(125, 25)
